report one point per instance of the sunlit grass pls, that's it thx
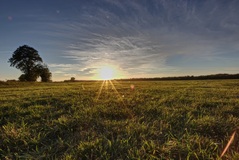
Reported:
(112, 120)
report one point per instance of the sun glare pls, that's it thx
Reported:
(107, 73)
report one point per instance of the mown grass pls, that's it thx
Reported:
(155, 120)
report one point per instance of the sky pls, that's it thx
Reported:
(138, 38)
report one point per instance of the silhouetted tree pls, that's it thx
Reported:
(73, 79)
(29, 62)
(22, 78)
(26, 58)
(44, 73)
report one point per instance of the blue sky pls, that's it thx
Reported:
(141, 38)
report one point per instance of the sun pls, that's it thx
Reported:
(107, 73)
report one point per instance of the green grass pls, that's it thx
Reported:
(157, 120)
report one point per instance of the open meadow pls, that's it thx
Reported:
(119, 120)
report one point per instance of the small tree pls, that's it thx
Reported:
(44, 73)
(73, 79)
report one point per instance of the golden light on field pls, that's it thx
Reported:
(107, 85)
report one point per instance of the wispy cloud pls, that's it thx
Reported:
(151, 37)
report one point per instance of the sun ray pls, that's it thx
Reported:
(100, 90)
(105, 85)
(106, 73)
(121, 99)
(117, 93)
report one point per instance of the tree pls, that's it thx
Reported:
(44, 73)
(30, 63)
(22, 78)
(26, 58)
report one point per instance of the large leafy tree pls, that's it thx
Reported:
(29, 62)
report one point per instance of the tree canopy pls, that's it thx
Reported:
(30, 63)
(44, 73)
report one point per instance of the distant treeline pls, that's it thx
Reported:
(203, 77)
(79, 81)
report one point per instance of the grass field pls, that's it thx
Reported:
(126, 120)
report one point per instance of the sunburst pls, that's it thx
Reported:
(105, 84)
(107, 73)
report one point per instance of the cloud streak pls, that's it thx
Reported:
(156, 37)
